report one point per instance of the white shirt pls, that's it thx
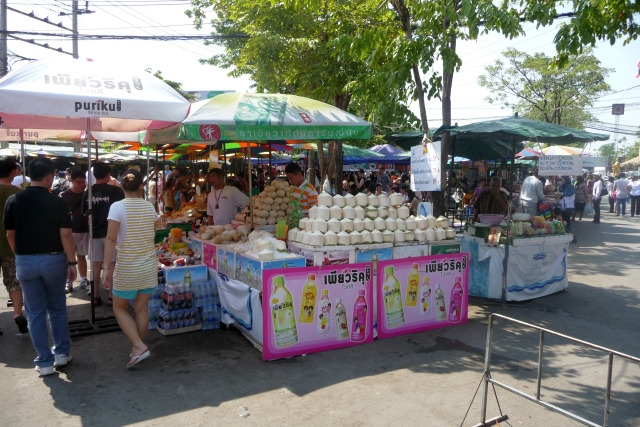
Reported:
(621, 188)
(597, 189)
(17, 181)
(531, 191)
(229, 200)
(117, 212)
(568, 202)
(635, 187)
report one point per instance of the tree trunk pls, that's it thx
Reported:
(321, 165)
(339, 167)
(331, 164)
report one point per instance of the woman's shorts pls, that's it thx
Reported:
(132, 294)
(580, 207)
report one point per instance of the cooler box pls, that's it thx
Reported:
(249, 270)
(445, 247)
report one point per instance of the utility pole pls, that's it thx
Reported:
(74, 8)
(4, 57)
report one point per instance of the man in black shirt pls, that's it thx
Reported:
(38, 228)
(103, 196)
(79, 224)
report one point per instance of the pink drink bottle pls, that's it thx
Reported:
(455, 311)
(359, 328)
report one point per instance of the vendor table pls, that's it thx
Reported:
(534, 270)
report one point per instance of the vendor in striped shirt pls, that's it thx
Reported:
(303, 197)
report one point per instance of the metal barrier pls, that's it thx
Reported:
(487, 374)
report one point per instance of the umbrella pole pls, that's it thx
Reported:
(250, 185)
(24, 162)
(269, 156)
(158, 166)
(448, 196)
(505, 268)
(90, 219)
(148, 174)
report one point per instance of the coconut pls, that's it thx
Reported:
(366, 237)
(316, 239)
(355, 237)
(361, 199)
(388, 236)
(403, 212)
(390, 224)
(392, 213)
(409, 236)
(451, 233)
(372, 200)
(421, 236)
(291, 235)
(400, 224)
(338, 200)
(441, 234)
(336, 212)
(421, 222)
(398, 236)
(358, 224)
(313, 212)
(323, 212)
(333, 225)
(371, 212)
(359, 212)
(395, 199)
(442, 222)
(320, 225)
(383, 212)
(330, 238)
(349, 200)
(348, 212)
(369, 224)
(346, 225)
(410, 223)
(379, 224)
(325, 199)
(383, 200)
(376, 236)
(431, 221)
(343, 238)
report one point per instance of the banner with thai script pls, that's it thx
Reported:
(418, 294)
(426, 167)
(312, 309)
(560, 165)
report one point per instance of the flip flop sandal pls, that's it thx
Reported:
(23, 325)
(97, 302)
(138, 359)
(109, 302)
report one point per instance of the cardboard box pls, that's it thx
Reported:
(324, 255)
(249, 270)
(226, 261)
(374, 253)
(410, 251)
(174, 275)
(209, 255)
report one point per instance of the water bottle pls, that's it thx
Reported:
(205, 322)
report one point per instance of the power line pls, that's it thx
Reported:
(129, 37)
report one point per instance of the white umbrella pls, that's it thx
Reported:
(72, 94)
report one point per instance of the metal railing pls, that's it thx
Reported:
(536, 398)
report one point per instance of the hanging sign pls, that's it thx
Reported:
(560, 165)
(426, 167)
(213, 159)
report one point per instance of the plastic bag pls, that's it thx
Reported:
(588, 209)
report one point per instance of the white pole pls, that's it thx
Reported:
(24, 162)
(90, 219)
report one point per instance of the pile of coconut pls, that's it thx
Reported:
(271, 206)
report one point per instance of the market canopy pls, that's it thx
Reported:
(557, 150)
(519, 129)
(528, 154)
(632, 162)
(388, 150)
(73, 94)
(267, 117)
(351, 154)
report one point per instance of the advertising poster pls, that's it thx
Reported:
(209, 256)
(194, 273)
(312, 309)
(374, 255)
(426, 167)
(418, 294)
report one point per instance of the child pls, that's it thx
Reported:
(557, 214)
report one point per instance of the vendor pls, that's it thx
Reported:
(224, 201)
(303, 197)
(491, 201)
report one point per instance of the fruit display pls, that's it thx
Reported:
(537, 226)
(270, 206)
(223, 234)
(365, 219)
(188, 211)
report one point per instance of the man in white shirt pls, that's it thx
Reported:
(596, 197)
(622, 192)
(634, 191)
(530, 194)
(224, 201)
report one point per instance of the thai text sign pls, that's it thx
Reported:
(560, 165)
(426, 168)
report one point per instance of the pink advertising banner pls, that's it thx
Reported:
(312, 309)
(418, 294)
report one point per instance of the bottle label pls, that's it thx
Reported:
(284, 325)
(324, 318)
(393, 306)
(359, 326)
(342, 330)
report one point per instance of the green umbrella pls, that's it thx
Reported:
(351, 154)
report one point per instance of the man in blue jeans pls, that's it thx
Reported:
(38, 228)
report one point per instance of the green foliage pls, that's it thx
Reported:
(626, 150)
(545, 92)
(594, 20)
(175, 85)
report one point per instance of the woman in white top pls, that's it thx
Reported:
(568, 202)
(131, 229)
(634, 192)
(612, 199)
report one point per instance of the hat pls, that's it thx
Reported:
(62, 174)
(596, 173)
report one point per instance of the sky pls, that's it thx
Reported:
(178, 60)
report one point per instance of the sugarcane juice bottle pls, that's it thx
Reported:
(342, 328)
(456, 301)
(282, 312)
(248, 272)
(308, 300)
(359, 327)
(324, 313)
(441, 308)
(392, 299)
(187, 278)
(374, 261)
(413, 283)
(425, 298)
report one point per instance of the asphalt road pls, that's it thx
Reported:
(426, 379)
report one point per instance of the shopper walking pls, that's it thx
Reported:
(582, 196)
(622, 192)
(634, 192)
(531, 194)
(596, 197)
(38, 228)
(131, 230)
(8, 171)
(568, 203)
(79, 225)
(612, 195)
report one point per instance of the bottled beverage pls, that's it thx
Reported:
(413, 283)
(324, 313)
(455, 311)
(283, 314)
(374, 261)
(359, 327)
(308, 300)
(392, 299)
(188, 295)
(187, 278)
(441, 309)
(180, 297)
(342, 327)
(224, 265)
(248, 272)
(425, 298)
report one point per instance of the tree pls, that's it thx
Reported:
(556, 95)
(175, 85)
